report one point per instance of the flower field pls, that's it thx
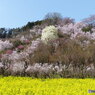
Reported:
(28, 86)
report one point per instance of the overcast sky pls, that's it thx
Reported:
(16, 13)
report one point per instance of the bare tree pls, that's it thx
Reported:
(90, 23)
(52, 18)
(90, 20)
(67, 20)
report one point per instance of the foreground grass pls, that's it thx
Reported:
(29, 86)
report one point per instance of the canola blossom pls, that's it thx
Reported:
(29, 86)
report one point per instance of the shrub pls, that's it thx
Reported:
(27, 42)
(9, 52)
(20, 47)
(49, 33)
(87, 29)
(16, 43)
(41, 55)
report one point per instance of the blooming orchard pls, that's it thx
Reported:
(24, 49)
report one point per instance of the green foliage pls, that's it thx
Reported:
(87, 29)
(31, 25)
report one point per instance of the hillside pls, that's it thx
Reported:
(43, 49)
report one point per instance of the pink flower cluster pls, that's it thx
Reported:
(27, 41)
(20, 47)
(9, 52)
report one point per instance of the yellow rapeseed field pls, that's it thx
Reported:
(28, 86)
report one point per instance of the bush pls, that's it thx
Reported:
(41, 55)
(87, 29)
(16, 43)
(49, 33)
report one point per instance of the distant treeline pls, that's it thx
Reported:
(7, 33)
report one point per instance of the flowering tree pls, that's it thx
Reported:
(90, 20)
(49, 33)
(5, 45)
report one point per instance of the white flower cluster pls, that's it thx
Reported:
(5, 45)
(49, 33)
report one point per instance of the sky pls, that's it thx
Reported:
(17, 13)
